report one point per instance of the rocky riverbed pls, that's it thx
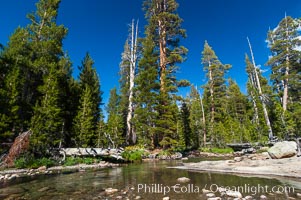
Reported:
(11, 174)
(254, 164)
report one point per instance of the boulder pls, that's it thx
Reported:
(233, 194)
(285, 149)
(110, 191)
(183, 180)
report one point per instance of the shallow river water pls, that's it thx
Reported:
(149, 180)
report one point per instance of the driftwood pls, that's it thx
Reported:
(110, 153)
(239, 146)
(20, 145)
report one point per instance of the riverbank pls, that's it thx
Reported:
(252, 165)
(11, 174)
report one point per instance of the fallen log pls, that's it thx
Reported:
(100, 152)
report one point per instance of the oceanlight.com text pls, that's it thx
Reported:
(214, 188)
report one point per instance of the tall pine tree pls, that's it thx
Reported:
(89, 86)
(214, 92)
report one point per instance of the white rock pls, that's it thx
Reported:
(205, 191)
(263, 197)
(248, 197)
(166, 198)
(234, 194)
(238, 159)
(183, 180)
(137, 197)
(283, 149)
(299, 195)
(110, 191)
(214, 198)
(41, 169)
(210, 195)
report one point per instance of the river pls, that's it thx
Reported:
(147, 180)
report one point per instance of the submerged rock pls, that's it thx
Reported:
(262, 197)
(285, 149)
(183, 180)
(110, 191)
(234, 194)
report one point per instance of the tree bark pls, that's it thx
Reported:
(204, 123)
(131, 136)
(265, 112)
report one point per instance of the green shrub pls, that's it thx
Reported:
(33, 163)
(134, 153)
(217, 150)
(77, 160)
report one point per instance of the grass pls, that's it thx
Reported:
(32, 163)
(217, 150)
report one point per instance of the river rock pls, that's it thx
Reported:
(166, 198)
(110, 191)
(214, 198)
(262, 197)
(234, 194)
(137, 197)
(248, 198)
(298, 195)
(183, 180)
(238, 159)
(283, 149)
(42, 169)
(210, 195)
(205, 191)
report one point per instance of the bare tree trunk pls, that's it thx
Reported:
(204, 123)
(265, 112)
(162, 48)
(131, 136)
(287, 68)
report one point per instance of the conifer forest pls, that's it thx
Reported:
(38, 91)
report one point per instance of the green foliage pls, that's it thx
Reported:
(33, 163)
(89, 113)
(70, 161)
(134, 153)
(114, 129)
(217, 150)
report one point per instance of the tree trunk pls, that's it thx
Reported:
(162, 48)
(204, 123)
(287, 68)
(131, 136)
(265, 112)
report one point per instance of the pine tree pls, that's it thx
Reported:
(196, 118)
(89, 86)
(16, 88)
(84, 126)
(186, 125)
(165, 28)
(237, 119)
(146, 94)
(46, 123)
(214, 92)
(114, 123)
(283, 41)
(284, 61)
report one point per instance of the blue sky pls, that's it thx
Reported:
(101, 28)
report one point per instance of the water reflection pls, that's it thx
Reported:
(92, 184)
